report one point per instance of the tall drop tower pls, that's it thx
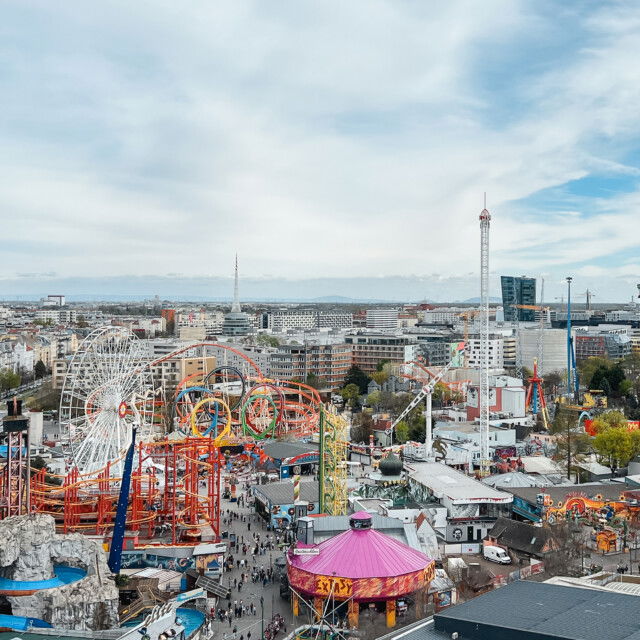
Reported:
(485, 221)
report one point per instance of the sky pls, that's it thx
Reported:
(340, 148)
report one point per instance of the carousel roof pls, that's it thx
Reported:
(362, 552)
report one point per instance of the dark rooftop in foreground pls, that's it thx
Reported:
(538, 611)
(533, 611)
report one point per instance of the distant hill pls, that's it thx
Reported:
(477, 300)
(347, 300)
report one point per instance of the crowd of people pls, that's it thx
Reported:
(246, 559)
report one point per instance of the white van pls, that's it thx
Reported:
(496, 554)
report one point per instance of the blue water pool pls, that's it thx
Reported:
(18, 623)
(63, 575)
(192, 620)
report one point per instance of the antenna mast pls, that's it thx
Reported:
(235, 307)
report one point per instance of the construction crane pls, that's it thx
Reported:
(587, 295)
(425, 394)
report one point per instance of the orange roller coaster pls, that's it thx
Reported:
(175, 494)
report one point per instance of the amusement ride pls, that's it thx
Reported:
(184, 438)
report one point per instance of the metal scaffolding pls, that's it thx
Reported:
(333, 463)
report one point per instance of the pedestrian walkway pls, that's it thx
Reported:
(248, 626)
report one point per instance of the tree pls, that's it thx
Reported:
(357, 376)
(9, 380)
(608, 377)
(315, 381)
(569, 543)
(40, 370)
(82, 322)
(265, 340)
(362, 427)
(381, 365)
(626, 388)
(402, 432)
(631, 367)
(598, 378)
(45, 398)
(552, 381)
(43, 323)
(588, 367)
(610, 420)
(616, 446)
(615, 376)
(380, 377)
(38, 463)
(350, 394)
(373, 399)
(571, 441)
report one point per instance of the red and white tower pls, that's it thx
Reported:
(485, 221)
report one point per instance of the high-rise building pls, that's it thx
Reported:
(518, 290)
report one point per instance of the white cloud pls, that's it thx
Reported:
(315, 139)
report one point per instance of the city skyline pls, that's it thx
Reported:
(153, 150)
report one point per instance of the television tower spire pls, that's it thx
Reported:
(235, 307)
(483, 399)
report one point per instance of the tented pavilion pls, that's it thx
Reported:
(359, 566)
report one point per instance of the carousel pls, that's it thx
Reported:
(360, 568)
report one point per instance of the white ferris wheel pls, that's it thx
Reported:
(107, 389)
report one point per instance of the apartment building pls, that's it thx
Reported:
(369, 349)
(57, 316)
(437, 347)
(509, 350)
(327, 361)
(382, 318)
(622, 315)
(59, 370)
(209, 321)
(281, 321)
(168, 373)
(610, 341)
(237, 358)
(634, 335)
(443, 315)
(496, 352)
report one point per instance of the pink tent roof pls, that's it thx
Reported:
(362, 553)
